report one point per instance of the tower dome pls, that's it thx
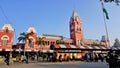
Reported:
(8, 26)
(31, 29)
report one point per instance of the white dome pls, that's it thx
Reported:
(75, 14)
(31, 28)
(9, 26)
(117, 43)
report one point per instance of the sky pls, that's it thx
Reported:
(53, 16)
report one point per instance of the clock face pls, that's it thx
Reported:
(78, 29)
(77, 18)
(72, 27)
(72, 32)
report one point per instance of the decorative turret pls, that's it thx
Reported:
(75, 16)
(104, 39)
(6, 37)
(7, 26)
(117, 43)
(31, 45)
(31, 29)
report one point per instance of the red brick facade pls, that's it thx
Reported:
(31, 46)
(76, 37)
(76, 32)
(6, 37)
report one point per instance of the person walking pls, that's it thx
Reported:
(101, 57)
(27, 56)
(7, 59)
(60, 58)
(50, 58)
(111, 58)
(87, 57)
(96, 57)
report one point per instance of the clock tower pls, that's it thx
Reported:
(76, 32)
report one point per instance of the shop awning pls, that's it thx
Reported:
(90, 47)
(73, 46)
(80, 47)
(96, 47)
(67, 46)
(46, 51)
(62, 46)
(115, 48)
(6, 49)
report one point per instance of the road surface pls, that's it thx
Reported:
(59, 65)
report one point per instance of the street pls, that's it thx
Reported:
(59, 65)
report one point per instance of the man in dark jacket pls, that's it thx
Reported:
(7, 58)
(111, 58)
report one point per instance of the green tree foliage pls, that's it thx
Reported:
(40, 41)
(110, 1)
(23, 37)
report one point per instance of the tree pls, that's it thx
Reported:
(52, 46)
(109, 1)
(117, 43)
(24, 37)
(40, 40)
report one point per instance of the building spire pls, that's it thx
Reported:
(75, 16)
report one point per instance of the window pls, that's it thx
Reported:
(6, 29)
(78, 29)
(57, 41)
(31, 44)
(79, 42)
(48, 42)
(4, 41)
(72, 27)
(45, 42)
(53, 42)
(71, 32)
(77, 18)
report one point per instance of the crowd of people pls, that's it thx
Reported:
(112, 58)
(94, 57)
(7, 58)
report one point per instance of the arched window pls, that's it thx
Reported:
(57, 41)
(31, 44)
(6, 29)
(4, 41)
(51, 43)
(48, 42)
(52, 46)
(79, 42)
(45, 42)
